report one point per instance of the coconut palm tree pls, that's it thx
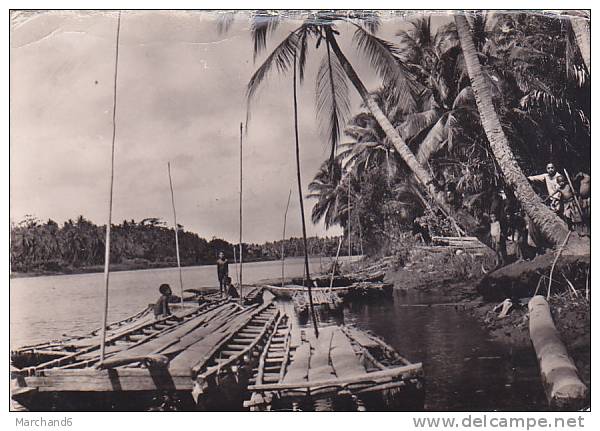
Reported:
(326, 188)
(335, 72)
(551, 226)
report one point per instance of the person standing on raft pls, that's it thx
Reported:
(222, 272)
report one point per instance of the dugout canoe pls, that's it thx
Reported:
(324, 280)
(358, 290)
(345, 369)
(194, 359)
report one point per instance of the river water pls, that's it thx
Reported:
(465, 370)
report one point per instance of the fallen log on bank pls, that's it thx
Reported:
(519, 279)
(564, 389)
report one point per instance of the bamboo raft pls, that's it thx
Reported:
(181, 355)
(345, 369)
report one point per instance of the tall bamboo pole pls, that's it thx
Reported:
(310, 298)
(241, 249)
(110, 198)
(176, 232)
(283, 239)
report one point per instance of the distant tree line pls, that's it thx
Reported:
(77, 245)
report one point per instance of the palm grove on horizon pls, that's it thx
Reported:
(474, 105)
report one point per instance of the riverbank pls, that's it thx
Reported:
(133, 265)
(454, 275)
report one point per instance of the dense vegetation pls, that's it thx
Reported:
(77, 245)
(540, 90)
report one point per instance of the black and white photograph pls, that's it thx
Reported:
(300, 211)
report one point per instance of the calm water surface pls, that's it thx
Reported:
(43, 308)
(465, 370)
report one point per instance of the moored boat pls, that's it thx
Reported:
(357, 290)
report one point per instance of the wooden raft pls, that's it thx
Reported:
(337, 363)
(205, 342)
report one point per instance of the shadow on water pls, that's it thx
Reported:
(465, 370)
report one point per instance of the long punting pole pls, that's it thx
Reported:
(110, 198)
(310, 298)
(283, 240)
(349, 215)
(176, 231)
(241, 249)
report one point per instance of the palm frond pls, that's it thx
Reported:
(281, 58)
(465, 98)
(434, 140)
(262, 24)
(384, 58)
(225, 21)
(333, 105)
(303, 48)
(415, 123)
(367, 18)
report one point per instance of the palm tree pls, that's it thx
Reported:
(551, 226)
(326, 188)
(336, 70)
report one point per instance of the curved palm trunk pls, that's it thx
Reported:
(309, 282)
(422, 175)
(582, 35)
(550, 225)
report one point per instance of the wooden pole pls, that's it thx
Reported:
(297, 139)
(241, 247)
(283, 240)
(237, 274)
(176, 232)
(335, 262)
(575, 196)
(110, 198)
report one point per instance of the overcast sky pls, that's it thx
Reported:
(180, 98)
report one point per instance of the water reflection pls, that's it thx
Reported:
(464, 369)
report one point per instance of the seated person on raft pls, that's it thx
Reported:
(161, 308)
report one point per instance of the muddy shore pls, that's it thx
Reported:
(455, 276)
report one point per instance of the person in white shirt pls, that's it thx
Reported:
(549, 178)
(498, 240)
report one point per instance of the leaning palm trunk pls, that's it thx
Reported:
(582, 35)
(552, 228)
(422, 175)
